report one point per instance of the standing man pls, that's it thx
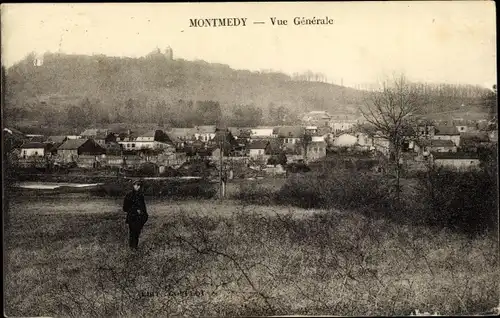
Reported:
(137, 215)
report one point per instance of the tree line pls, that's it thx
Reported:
(90, 111)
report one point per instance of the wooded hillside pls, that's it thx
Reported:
(81, 90)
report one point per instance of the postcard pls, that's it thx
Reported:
(250, 159)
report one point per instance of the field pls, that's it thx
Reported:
(67, 255)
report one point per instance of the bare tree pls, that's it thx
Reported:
(391, 111)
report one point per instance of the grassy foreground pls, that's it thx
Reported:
(68, 257)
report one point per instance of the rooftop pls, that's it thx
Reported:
(72, 144)
(33, 145)
(37, 139)
(206, 129)
(56, 139)
(150, 133)
(95, 133)
(290, 131)
(474, 137)
(258, 144)
(442, 143)
(446, 130)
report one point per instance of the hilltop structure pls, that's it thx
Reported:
(169, 53)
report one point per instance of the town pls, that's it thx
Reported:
(454, 144)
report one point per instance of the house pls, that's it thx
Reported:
(456, 160)
(71, 149)
(258, 148)
(119, 134)
(317, 118)
(34, 149)
(316, 149)
(98, 135)
(471, 141)
(345, 140)
(464, 126)
(311, 130)
(181, 136)
(148, 136)
(35, 138)
(204, 133)
(441, 145)
(262, 132)
(447, 133)
(92, 132)
(290, 135)
(153, 139)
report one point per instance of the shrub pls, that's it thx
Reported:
(174, 189)
(461, 200)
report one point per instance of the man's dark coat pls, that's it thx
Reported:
(135, 207)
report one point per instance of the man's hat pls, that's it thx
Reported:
(138, 182)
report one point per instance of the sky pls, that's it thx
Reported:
(449, 42)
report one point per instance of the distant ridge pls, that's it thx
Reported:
(63, 80)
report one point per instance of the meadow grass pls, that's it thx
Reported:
(69, 257)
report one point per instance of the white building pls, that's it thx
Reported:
(262, 132)
(205, 133)
(456, 160)
(33, 149)
(290, 135)
(345, 140)
(138, 145)
(257, 149)
(316, 149)
(311, 129)
(447, 133)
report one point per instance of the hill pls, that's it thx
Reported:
(162, 90)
